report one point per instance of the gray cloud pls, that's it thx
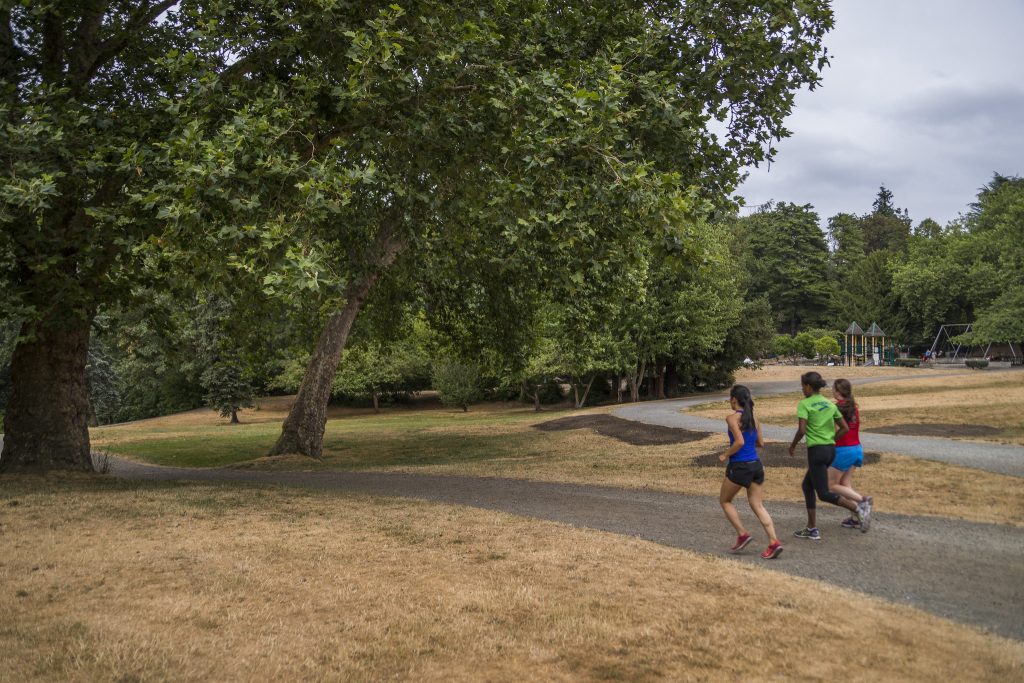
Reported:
(923, 95)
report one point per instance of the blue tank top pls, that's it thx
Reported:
(748, 452)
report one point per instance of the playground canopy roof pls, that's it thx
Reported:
(854, 328)
(875, 331)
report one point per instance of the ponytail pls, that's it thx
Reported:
(813, 380)
(847, 406)
(746, 402)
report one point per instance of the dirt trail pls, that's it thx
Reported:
(966, 571)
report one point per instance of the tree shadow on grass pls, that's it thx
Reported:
(627, 431)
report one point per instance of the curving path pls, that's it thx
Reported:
(992, 457)
(966, 571)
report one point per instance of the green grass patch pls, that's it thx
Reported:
(192, 447)
(409, 439)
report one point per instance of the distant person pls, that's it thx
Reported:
(822, 422)
(745, 471)
(849, 454)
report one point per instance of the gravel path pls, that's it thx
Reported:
(993, 457)
(969, 572)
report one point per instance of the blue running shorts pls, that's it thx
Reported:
(847, 457)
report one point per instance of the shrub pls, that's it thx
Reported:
(803, 345)
(976, 363)
(907, 362)
(782, 345)
(457, 383)
(826, 346)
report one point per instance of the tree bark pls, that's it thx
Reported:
(46, 426)
(660, 384)
(303, 429)
(234, 417)
(580, 402)
(671, 380)
(376, 401)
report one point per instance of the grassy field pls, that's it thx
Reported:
(967, 399)
(141, 582)
(499, 440)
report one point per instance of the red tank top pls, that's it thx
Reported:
(852, 437)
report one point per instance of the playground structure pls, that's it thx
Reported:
(867, 348)
(946, 350)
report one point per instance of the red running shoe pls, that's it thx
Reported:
(741, 542)
(773, 551)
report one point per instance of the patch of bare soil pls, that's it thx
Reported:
(773, 455)
(627, 431)
(939, 429)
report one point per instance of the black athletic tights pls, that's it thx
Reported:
(816, 479)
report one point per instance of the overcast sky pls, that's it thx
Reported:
(925, 96)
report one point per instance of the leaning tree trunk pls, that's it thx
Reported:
(581, 401)
(46, 426)
(303, 430)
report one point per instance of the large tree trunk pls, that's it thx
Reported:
(46, 426)
(303, 430)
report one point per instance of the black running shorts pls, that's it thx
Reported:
(745, 473)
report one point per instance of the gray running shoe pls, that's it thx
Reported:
(809, 534)
(864, 512)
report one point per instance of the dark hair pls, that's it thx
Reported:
(813, 380)
(746, 401)
(847, 406)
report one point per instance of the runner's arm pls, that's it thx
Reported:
(841, 427)
(734, 428)
(800, 431)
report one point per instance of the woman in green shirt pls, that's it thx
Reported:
(822, 422)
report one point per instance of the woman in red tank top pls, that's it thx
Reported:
(849, 454)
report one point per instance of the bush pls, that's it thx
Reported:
(803, 345)
(976, 363)
(908, 362)
(782, 345)
(826, 346)
(457, 383)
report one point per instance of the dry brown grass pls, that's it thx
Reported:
(197, 583)
(498, 441)
(899, 484)
(793, 372)
(969, 398)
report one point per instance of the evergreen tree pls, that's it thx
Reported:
(788, 262)
(886, 227)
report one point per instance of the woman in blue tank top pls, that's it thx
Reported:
(745, 471)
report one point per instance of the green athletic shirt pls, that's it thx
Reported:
(821, 415)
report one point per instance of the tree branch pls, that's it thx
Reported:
(53, 47)
(86, 44)
(110, 48)
(9, 54)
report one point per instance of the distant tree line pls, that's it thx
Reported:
(880, 267)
